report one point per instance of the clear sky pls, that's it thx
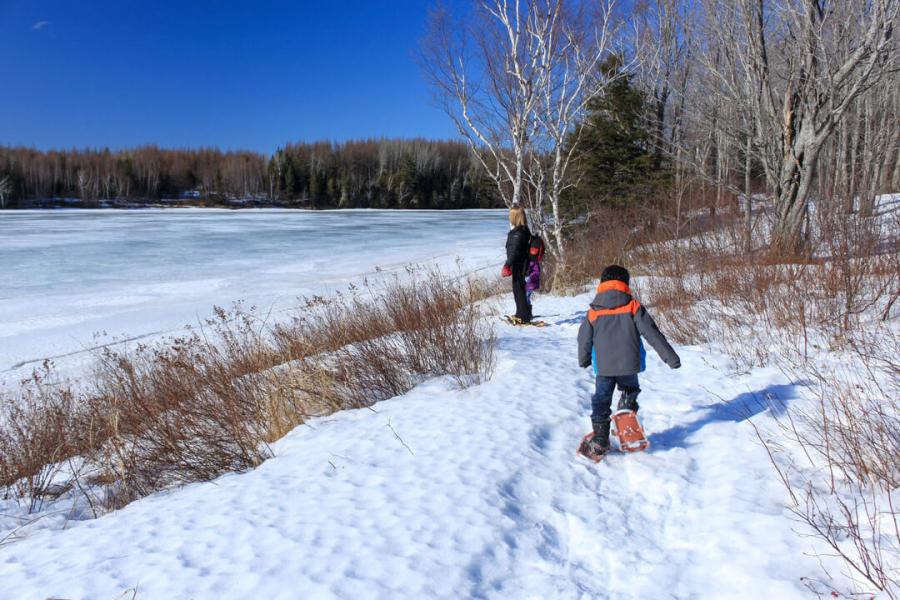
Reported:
(239, 75)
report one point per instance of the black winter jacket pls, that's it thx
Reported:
(517, 242)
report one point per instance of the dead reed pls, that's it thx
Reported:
(212, 401)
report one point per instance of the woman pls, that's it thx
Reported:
(517, 243)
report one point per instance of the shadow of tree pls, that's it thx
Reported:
(740, 408)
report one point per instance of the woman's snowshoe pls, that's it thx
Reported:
(514, 320)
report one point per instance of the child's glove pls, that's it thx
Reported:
(506, 271)
(528, 279)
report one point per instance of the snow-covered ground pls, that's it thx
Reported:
(69, 274)
(475, 493)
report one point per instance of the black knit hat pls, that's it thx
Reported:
(615, 272)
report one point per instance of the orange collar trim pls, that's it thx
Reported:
(614, 284)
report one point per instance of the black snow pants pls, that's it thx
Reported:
(523, 309)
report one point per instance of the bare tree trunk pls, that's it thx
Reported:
(748, 198)
(679, 187)
(895, 177)
(842, 168)
(5, 187)
(796, 69)
(891, 157)
(791, 204)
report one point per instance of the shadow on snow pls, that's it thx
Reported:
(773, 398)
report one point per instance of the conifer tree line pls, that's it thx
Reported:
(383, 173)
(566, 105)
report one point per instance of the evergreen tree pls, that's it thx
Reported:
(276, 172)
(406, 195)
(220, 185)
(616, 158)
(313, 186)
(289, 181)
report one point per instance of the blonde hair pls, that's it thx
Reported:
(517, 217)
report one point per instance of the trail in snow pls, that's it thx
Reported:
(490, 501)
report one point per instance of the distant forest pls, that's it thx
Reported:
(383, 173)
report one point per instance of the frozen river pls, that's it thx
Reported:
(67, 276)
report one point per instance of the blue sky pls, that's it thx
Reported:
(250, 75)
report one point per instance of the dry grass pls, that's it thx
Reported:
(371, 347)
(851, 273)
(212, 401)
(838, 462)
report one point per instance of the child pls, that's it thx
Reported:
(533, 270)
(610, 339)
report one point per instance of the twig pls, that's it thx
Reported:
(77, 479)
(399, 438)
(15, 531)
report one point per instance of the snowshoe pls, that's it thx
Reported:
(514, 320)
(591, 449)
(629, 431)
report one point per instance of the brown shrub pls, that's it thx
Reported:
(764, 309)
(374, 346)
(187, 412)
(604, 239)
(37, 435)
(211, 401)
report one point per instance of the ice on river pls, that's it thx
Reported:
(70, 274)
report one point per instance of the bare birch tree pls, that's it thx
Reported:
(84, 185)
(573, 46)
(488, 74)
(516, 81)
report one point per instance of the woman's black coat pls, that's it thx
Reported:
(518, 241)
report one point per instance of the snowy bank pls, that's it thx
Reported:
(466, 493)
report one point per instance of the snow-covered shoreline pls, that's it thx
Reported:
(488, 500)
(71, 274)
(477, 493)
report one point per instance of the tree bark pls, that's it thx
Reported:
(748, 198)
